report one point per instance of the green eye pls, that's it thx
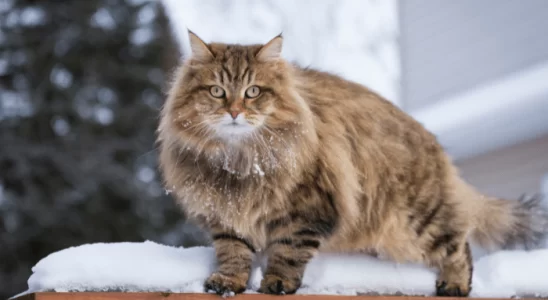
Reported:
(217, 91)
(253, 92)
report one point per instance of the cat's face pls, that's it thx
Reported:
(234, 92)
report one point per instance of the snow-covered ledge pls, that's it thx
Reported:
(500, 113)
(356, 39)
(153, 268)
(185, 296)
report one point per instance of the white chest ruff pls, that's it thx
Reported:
(238, 210)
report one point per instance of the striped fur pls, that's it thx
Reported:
(330, 166)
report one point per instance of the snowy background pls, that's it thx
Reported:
(357, 39)
(81, 83)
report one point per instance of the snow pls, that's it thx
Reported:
(32, 16)
(146, 174)
(153, 267)
(142, 36)
(61, 77)
(103, 19)
(357, 39)
(123, 266)
(258, 169)
(146, 15)
(103, 115)
(14, 104)
(60, 126)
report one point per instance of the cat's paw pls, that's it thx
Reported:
(272, 284)
(224, 285)
(444, 289)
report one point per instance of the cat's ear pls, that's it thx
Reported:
(271, 50)
(200, 50)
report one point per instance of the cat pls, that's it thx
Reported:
(286, 161)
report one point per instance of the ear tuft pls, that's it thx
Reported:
(200, 50)
(271, 50)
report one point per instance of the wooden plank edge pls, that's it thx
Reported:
(191, 296)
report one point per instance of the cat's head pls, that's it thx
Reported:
(232, 93)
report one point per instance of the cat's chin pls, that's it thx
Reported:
(234, 133)
(234, 130)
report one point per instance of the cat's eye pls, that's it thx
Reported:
(217, 91)
(253, 92)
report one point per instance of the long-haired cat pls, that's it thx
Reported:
(273, 158)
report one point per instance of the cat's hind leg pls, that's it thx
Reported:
(455, 268)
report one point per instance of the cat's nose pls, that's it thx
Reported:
(234, 114)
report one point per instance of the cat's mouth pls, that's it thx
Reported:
(228, 127)
(234, 123)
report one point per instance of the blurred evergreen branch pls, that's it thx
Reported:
(80, 90)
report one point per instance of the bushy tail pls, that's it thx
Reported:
(510, 224)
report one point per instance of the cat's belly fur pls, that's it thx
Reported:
(243, 216)
(394, 240)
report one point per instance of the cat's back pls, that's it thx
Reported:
(347, 105)
(367, 140)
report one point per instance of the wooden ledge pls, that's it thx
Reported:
(176, 296)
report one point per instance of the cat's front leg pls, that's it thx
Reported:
(286, 264)
(234, 257)
(293, 241)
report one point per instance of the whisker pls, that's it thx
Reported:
(276, 136)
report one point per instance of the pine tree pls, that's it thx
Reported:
(81, 85)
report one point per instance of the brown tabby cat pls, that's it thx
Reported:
(286, 161)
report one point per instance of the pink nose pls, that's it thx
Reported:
(234, 114)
